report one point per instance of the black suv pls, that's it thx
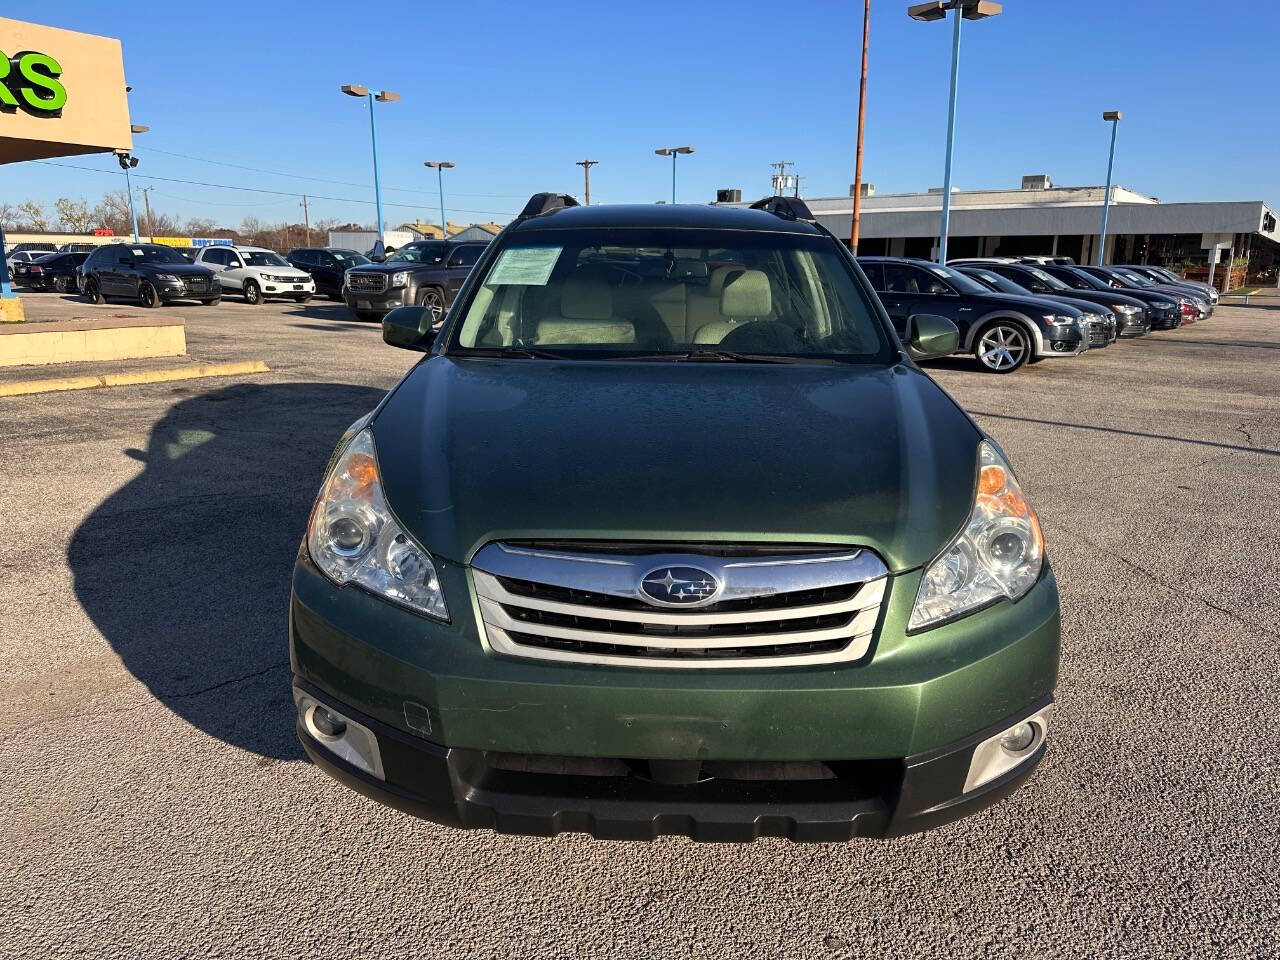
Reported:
(148, 272)
(1002, 332)
(1130, 313)
(1163, 310)
(327, 265)
(427, 273)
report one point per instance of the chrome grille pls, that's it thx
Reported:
(366, 282)
(775, 609)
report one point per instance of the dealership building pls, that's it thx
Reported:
(1040, 218)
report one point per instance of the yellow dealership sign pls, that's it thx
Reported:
(61, 93)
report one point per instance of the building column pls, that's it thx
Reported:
(1054, 250)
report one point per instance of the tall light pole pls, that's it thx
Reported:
(440, 166)
(586, 166)
(964, 10)
(1112, 117)
(127, 162)
(673, 152)
(382, 96)
(862, 111)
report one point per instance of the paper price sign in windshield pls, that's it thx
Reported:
(524, 266)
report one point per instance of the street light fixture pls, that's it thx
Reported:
(440, 166)
(964, 10)
(1112, 117)
(382, 96)
(127, 162)
(673, 152)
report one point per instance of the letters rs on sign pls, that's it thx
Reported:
(29, 81)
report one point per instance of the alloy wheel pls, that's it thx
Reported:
(251, 294)
(433, 302)
(1003, 348)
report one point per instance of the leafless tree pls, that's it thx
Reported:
(33, 216)
(74, 216)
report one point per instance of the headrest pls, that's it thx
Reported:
(585, 332)
(715, 286)
(747, 294)
(586, 295)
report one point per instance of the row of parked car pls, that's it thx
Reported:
(1014, 311)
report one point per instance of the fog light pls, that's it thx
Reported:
(1016, 739)
(331, 725)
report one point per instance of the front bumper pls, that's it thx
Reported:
(369, 302)
(613, 800)
(899, 726)
(288, 288)
(187, 290)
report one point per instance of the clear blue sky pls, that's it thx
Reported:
(514, 93)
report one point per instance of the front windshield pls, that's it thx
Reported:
(1003, 284)
(671, 294)
(1090, 281)
(419, 253)
(263, 258)
(1047, 278)
(349, 258)
(155, 255)
(957, 279)
(1132, 277)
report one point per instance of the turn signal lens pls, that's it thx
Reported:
(998, 554)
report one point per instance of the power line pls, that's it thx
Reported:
(340, 183)
(278, 193)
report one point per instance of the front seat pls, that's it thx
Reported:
(746, 297)
(586, 314)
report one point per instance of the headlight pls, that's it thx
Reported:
(166, 276)
(998, 554)
(400, 278)
(353, 537)
(1062, 320)
(1125, 308)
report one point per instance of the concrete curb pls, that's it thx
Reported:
(89, 382)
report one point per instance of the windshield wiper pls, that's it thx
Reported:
(528, 353)
(729, 356)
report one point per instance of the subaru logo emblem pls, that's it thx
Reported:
(676, 586)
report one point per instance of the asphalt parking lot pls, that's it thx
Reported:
(155, 802)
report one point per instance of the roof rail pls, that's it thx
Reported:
(541, 203)
(789, 208)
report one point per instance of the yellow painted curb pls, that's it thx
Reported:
(193, 372)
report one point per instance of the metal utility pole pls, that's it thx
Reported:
(796, 182)
(586, 166)
(306, 218)
(862, 116)
(151, 226)
(964, 10)
(780, 178)
(381, 96)
(1112, 117)
(440, 166)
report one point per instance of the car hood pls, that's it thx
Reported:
(477, 450)
(292, 272)
(1036, 305)
(394, 267)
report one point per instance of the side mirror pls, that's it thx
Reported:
(409, 328)
(930, 336)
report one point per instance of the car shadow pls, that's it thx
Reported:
(331, 312)
(185, 569)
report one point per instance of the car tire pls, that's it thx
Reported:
(1002, 346)
(149, 296)
(61, 284)
(433, 299)
(93, 292)
(252, 294)
(304, 298)
(213, 302)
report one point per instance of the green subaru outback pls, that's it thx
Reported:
(668, 534)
